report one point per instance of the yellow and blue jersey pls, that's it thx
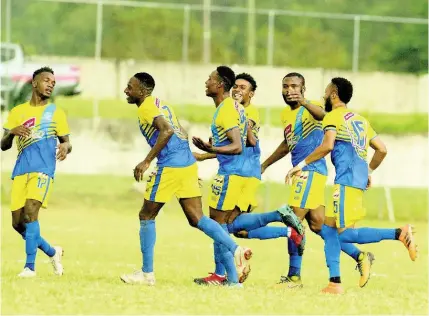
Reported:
(177, 152)
(303, 134)
(37, 153)
(228, 115)
(351, 146)
(252, 164)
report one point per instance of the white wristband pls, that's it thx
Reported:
(370, 171)
(302, 164)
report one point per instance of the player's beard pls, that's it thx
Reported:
(290, 103)
(44, 97)
(328, 105)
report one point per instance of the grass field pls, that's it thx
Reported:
(95, 219)
(393, 124)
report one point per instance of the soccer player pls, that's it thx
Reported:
(302, 125)
(36, 125)
(176, 174)
(347, 137)
(230, 187)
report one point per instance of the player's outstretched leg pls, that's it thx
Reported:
(192, 208)
(251, 221)
(147, 235)
(54, 253)
(367, 235)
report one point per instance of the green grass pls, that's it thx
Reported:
(95, 219)
(383, 123)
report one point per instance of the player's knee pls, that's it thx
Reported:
(31, 210)
(193, 222)
(242, 234)
(145, 215)
(18, 227)
(315, 224)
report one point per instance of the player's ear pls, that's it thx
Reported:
(303, 89)
(34, 83)
(251, 94)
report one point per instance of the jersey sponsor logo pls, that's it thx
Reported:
(30, 122)
(348, 116)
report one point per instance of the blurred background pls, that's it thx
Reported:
(94, 46)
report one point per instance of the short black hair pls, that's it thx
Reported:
(43, 69)
(344, 88)
(146, 80)
(248, 78)
(295, 74)
(227, 76)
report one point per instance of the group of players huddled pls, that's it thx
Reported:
(311, 131)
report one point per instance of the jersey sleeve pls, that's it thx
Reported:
(371, 133)
(148, 111)
(283, 117)
(228, 116)
(12, 120)
(253, 115)
(330, 122)
(62, 124)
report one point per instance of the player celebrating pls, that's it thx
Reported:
(303, 133)
(230, 185)
(347, 136)
(37, 124)
(176, 174)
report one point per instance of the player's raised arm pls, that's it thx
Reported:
(316, 111)
(281, 151)
(380, 153)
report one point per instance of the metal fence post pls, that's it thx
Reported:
(207, 32)
(251, 47)
(97, 57)
(270, 40)
(185, 38)
(356, 42)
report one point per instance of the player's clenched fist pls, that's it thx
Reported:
(21, 130)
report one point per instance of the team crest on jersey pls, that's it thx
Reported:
(30, 122)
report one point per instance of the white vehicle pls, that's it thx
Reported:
(16, 74)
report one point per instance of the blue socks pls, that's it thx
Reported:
(268, 232)
(147, 243)
(46, 247)
(214, 231)
(350, 249)
(295, 260)
(228, 260)
(366, 235)
(32, 236)
(246, 221)
(43, 245)
(220, 268)
(332, 251)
